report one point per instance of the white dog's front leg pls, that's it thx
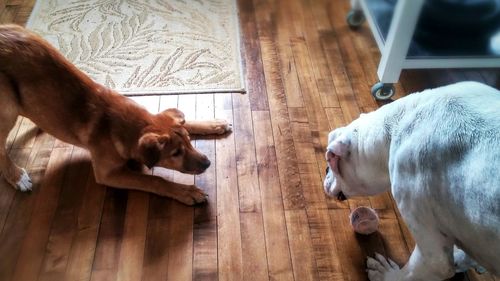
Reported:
(463, 262)
(380, 269)
(418, 268)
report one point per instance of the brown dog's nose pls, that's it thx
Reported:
(205, 163)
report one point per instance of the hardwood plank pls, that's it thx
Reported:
(130, 259)
(151, 103)
(65, 221)
(301, 248)
(13, 133)
(13, 2)
(132, 247)
(252, 59)
(326, 248)
(392, 237)
(8, 14)
(341, 80)
(317, 119)
(156, 252)
(340, 48)
(277, 245)
(107, 252)
(24, 12)
(40, 153)
(7, 191)
(17, 222)
(353, 257)
(313, 103)
(472, 75)
(283, 140)
(314, 194)
(273, 23)
(205, 218)
(281, 29)
(414, 80)
(491, 77)
(320, 68)
(205, 255)
(302, 136)
(180, 246)
(251, 217)
(157, 247)
(26, 134)
(323, 243)
(228, 220)
(81, 255)
(33, 248)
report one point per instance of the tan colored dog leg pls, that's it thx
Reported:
(107, 173)
(127, 179)
(14, 175)
(212, 127)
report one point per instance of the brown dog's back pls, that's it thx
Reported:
(49, 89)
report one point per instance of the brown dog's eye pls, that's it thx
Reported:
(176, 153)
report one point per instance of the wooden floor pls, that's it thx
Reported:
(267, 217)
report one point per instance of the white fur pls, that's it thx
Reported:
(24, 184)
(438, 151)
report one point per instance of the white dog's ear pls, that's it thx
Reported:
(332, 161)
(340, 146)
(337, 149)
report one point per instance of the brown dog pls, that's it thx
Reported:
(37, 82)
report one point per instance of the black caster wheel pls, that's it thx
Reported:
(382, 91)
(355, 18)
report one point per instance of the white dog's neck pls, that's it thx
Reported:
(373, 143)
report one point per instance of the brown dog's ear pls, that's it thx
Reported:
(176, 114)
(150, 147)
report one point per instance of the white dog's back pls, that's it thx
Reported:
(452, 136)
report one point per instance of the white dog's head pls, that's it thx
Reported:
(357, 161)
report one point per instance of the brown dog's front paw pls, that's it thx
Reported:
(194, 196)
(222, 126)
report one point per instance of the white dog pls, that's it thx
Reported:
(438, 151)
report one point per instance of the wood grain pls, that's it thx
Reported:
(267, 217)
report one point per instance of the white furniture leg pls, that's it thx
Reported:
(398, 40)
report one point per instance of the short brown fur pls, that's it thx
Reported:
(37, 82)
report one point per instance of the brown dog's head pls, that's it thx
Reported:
(167, 144)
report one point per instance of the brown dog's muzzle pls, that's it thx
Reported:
(197, 165)
(205, 164)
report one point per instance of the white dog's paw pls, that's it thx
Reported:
(463, 262)
(382, 269)
(24, 183)
(222, 126)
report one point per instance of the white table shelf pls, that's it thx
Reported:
(393, 24)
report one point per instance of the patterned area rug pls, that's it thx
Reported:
(147, 46)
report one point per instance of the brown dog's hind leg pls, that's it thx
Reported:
(212, 127)
(16, 176)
